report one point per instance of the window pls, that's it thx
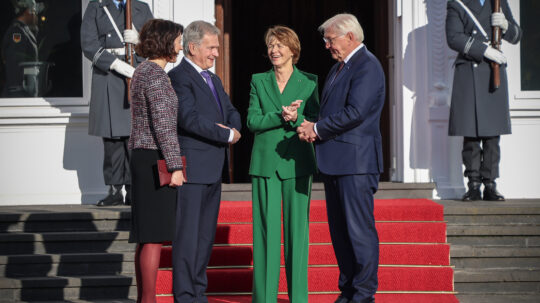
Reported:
(40, 49)
(530, 45)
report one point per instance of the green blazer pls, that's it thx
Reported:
(276, 146)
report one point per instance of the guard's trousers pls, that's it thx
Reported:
(268, 194)
(116, 161)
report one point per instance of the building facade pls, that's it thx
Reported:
(47, 156)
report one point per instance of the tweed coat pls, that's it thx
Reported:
(477, 109)
(277, 146)
(109, 108)
(154, 109)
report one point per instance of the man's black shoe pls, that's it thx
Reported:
(113, 198)
(473, 194)
(341, 299)
(491, 193)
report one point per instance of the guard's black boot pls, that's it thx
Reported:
(473, 194)
(113, 198)
(128, 194)
(491, 193)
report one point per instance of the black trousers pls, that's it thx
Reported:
(481, 157)
(197, 212)
(351, 219)
(116, 161)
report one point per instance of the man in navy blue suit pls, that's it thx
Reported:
(207, 123)
(349, 154)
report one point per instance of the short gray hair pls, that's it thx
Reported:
(342, 24)
(195, 32)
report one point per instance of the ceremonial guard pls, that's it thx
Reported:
(20, 47)
(479, 109)
(103, 38)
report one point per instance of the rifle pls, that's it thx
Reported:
(496, 43)
(128, 46)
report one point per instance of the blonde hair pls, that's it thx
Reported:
(286, 36)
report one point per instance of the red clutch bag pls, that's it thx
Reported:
(165, 175)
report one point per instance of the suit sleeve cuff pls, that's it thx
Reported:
(231, 135)
(316, 132)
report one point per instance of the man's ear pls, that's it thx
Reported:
(350, 36)
(191, 48)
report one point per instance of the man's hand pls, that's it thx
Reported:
(498, 19)
(495, 55)
(236, 134)
(131, 36)
(306, 132)
(177, 178)
(122, 68)
(236, 137)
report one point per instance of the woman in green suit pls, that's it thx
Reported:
(281, 167)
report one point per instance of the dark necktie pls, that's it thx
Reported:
(341, 65)
(208, 79)
(121, 6)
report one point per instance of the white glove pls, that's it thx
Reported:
(122, 68)
(495, 55)
(498, 19)
(132, 36)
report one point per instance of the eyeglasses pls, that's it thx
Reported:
(331, 40)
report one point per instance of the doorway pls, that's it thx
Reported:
(243, 52)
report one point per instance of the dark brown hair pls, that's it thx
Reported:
(286, 36)
(156, 39)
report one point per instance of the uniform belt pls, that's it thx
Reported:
(117, 51)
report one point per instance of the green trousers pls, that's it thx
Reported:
(267, 196)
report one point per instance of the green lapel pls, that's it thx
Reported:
(270, 85)
(293, 87)
(290, 92)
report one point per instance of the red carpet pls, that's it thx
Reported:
(414, 255)
(390, 254)
(323, 298)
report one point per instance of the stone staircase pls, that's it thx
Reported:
(79, 253)
(495, 248)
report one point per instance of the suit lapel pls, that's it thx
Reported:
(293, 88)
(199, 81)
(329, 87)
(270, 85)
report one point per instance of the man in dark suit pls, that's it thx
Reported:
(349, 154)
(103, 36)
(207, 122)
(479, 112)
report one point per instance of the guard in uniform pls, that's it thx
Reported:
(479, 112)
(19, 45)
(103, 35)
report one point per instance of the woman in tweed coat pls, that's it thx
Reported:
(153, 136)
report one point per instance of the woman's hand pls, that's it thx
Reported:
(290, 113)
(177, 178)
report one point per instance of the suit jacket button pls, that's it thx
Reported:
(475, 65)
(474, 32)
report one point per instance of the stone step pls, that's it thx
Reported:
(496, 275)
(468, 256)
(498, 298)
(498, 288)
(518, 241)
(64, 242)
(90, 264)
(60, 288)
(387, 190)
